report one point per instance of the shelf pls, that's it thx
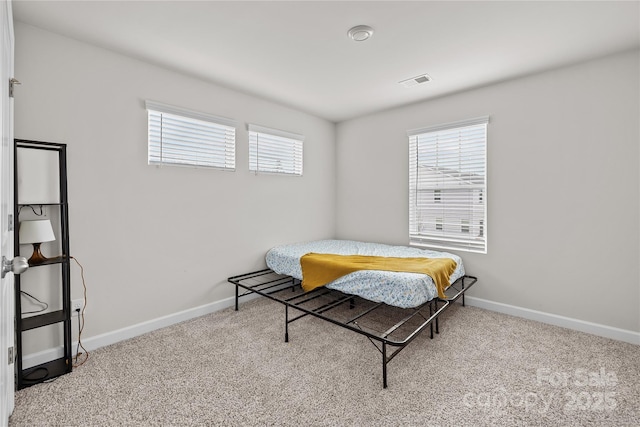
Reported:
(45, 371)
(40, 320)
(55, 260)
(41, 204)
(53, 190)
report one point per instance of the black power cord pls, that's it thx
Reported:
(27, 294)
(43, 376)
(80, 314)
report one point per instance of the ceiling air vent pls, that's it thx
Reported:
(415, 80)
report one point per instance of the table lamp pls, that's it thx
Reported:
(36, 232)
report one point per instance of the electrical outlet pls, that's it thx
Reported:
(76, 304)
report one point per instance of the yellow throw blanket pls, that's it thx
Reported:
(320, 269)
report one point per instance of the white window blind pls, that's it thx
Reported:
(182, 137)
(448, 186)
(274, 151)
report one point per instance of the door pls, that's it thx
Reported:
(7, 332)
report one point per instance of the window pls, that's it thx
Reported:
(447, 186)
(274, 151)
(183, 137)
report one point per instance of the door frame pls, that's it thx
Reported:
(7, 296)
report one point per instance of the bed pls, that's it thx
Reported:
(390, 308)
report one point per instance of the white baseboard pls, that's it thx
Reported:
(34, 359)
(113, 337)
(556, 320)
(161, 322)
(171, 319)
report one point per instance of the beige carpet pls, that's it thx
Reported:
(233, 369)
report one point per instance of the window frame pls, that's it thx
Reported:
(275, 137)
(462, 192)
(219, 151)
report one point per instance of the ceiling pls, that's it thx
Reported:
(297, 52)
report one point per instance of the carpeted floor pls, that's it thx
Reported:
(233, 369)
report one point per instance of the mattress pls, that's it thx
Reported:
(403, 290)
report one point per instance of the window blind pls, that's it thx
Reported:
(182, 137)
(447, 186)
(275, 151)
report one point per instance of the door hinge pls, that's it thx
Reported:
(11, 357)
(10, 222)
(12, 83)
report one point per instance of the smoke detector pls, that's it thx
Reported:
(360, 33)
(423, 78)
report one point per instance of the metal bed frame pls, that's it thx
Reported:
(384, 325)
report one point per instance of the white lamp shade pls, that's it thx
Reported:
(36, 231)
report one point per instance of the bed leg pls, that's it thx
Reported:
(286, 323)
(463, 290)
(437, 326)
(384, 364)
(352, 303)
(236, 297)
(431, 314)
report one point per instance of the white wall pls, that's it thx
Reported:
(148, 236)
(563, 187)
(156, 241)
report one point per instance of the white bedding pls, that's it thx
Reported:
(398, 289)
